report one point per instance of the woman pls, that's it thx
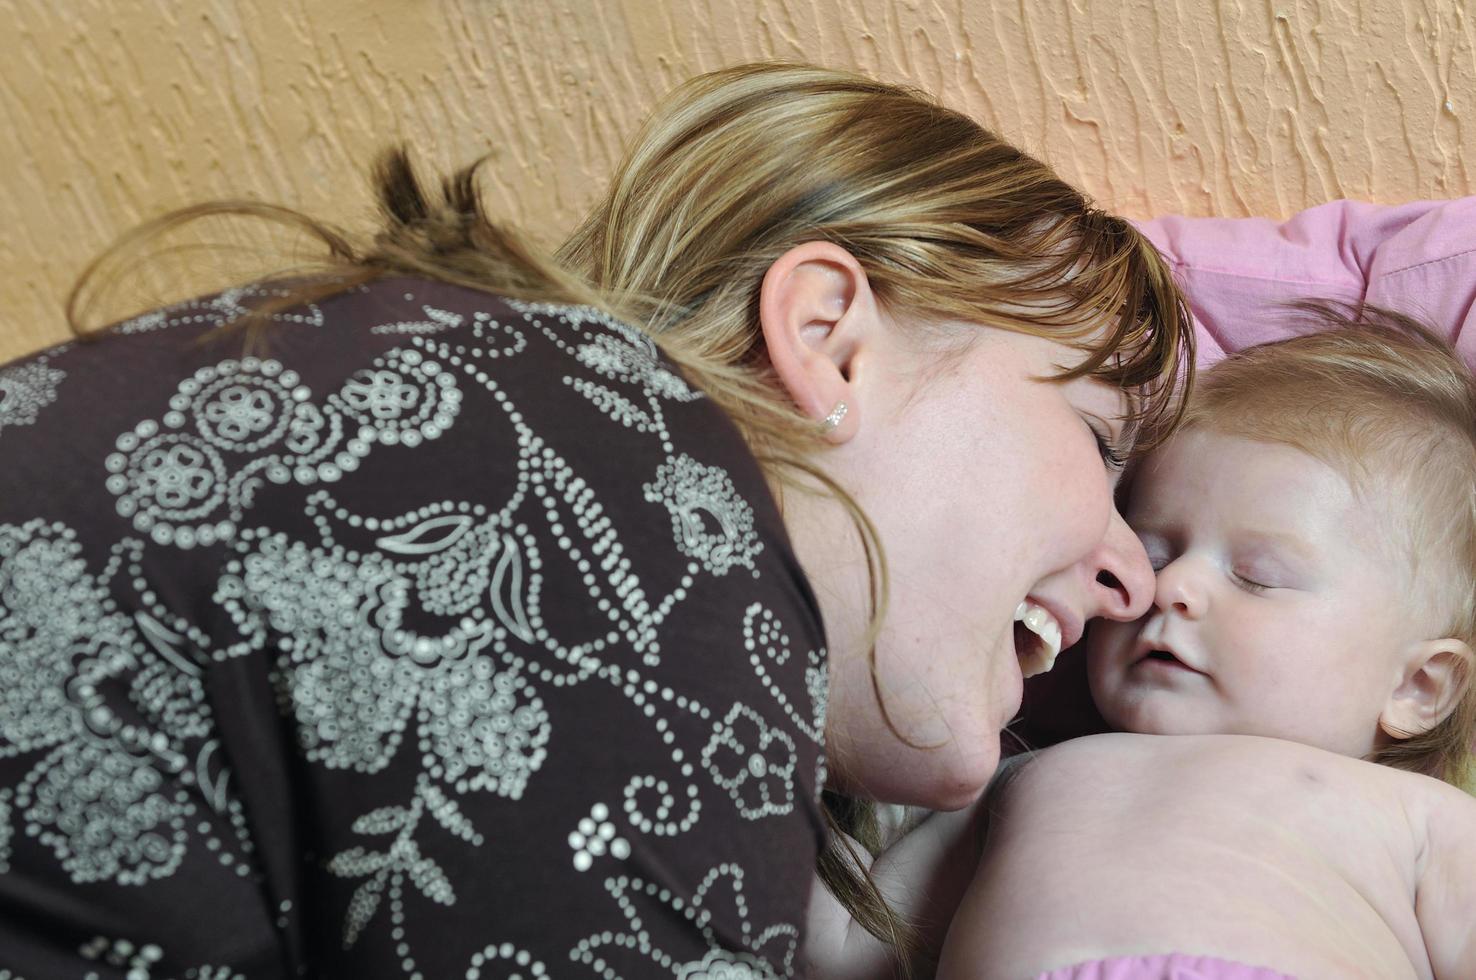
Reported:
(460, 633)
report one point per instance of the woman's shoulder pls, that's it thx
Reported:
(393, 357)
(311, 315)
(176, 418)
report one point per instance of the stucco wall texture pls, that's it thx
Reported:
(116, 110)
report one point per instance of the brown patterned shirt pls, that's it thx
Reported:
(445, 636)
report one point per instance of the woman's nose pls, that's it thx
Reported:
(1124, 586)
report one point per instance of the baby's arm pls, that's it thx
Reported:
(1445, 899)
(922, 877)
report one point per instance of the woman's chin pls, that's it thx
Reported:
(937, 778)
(959, 783)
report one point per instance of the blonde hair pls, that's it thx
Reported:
(950, 223)
(1387, 403)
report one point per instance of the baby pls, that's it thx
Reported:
(1313, 527)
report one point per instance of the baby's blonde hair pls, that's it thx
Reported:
(1386, 402)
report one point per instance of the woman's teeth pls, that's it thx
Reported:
(1041, 657)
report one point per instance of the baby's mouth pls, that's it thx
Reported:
(1167, 658)
(1037, 638)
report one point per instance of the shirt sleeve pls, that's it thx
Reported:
(1417, 258)
(435, 635)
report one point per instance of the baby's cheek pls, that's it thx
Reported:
(1264, 646)
(1107, 645)
(1105, 641)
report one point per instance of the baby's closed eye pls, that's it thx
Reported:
(1263, 572)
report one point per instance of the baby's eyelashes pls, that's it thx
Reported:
(1159, 555)
(1249, 584)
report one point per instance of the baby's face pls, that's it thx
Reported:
(1279, 609)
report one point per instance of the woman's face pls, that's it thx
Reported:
(988, 487)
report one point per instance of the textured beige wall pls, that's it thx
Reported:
(114, 110)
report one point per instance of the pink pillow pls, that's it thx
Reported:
(1418, 259)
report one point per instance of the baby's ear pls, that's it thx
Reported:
(1435, 676)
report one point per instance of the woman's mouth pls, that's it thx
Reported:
(1037, 638)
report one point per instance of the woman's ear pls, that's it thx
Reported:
(819, 318)
(1436, 674)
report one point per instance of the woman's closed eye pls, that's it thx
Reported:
(1113, 456)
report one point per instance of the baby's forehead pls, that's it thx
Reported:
(1206, 469)
(1202, 454)
(1266, 484)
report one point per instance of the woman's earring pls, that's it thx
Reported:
(832, 421)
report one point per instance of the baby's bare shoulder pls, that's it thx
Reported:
(1273, 754)
(1126, 749)
(1242, 766)
(1446, 890)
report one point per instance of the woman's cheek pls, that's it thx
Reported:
(1071, 489)
(1093, 509)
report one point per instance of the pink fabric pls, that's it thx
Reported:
(1418, 259)
(1174, 966)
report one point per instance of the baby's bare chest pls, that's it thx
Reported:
(1302, 857)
